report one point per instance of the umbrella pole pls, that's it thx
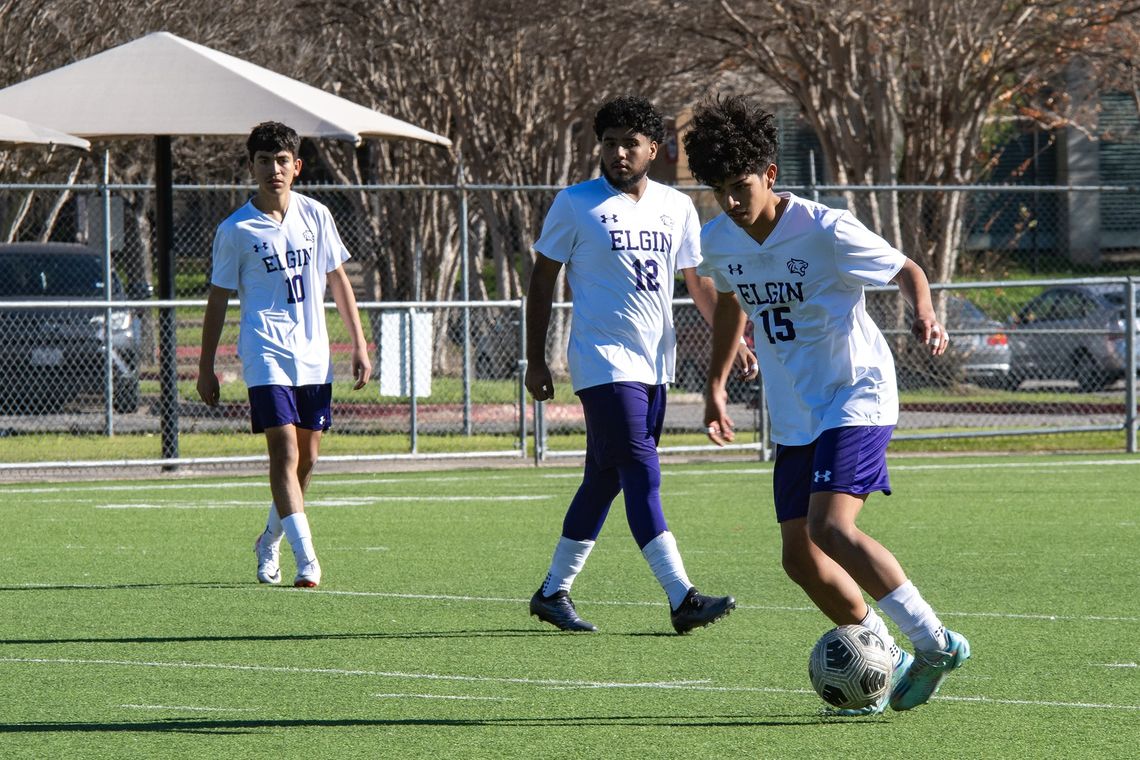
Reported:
(167, 338)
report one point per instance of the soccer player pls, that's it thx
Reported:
(279, 252)
(621, 237)
(799, 270)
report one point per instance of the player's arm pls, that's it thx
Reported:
(212, 323)
(539, 304)
(915, 289)
(727, 327)
(341, 288)
(704, 295)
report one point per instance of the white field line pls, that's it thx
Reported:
(611, 603)
(346, 672)
(444, 696)
(614, 603)
(758, 607)
(347, 501)
(1051, 466)
(697, 686)
(188, 708)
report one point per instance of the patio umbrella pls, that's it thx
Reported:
(162, 85)
(15, 131)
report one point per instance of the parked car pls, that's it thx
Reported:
(1088, 345)
(51, 355)
(495, 349)
(980, 344)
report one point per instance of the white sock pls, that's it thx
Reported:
(665, 562)
(569, 558)
(273, 524)
(875, 623)
(914, 617)
(296, 528)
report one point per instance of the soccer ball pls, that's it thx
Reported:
(850, 667)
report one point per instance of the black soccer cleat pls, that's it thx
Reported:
(559, 611)
(699, 610)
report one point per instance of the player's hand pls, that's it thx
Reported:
(539, 382)
(208, 388)
(746, 365)
(718, 425)
(932, 334)
(361, 370)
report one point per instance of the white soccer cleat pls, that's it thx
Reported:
(268, 558)
(308, 576)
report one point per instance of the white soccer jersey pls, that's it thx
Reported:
(824, 362)
(620, 257)
(279, 271)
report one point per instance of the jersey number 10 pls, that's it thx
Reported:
(296, 287)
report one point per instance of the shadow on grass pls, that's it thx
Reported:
(363, 635)
(196, 725)
(117, 586)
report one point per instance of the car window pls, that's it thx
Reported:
(960, 310)
(1077, 306)
(54, 275)
(1043, 306)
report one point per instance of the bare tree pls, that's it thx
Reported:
(899, 91)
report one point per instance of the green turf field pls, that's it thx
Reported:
(131, 625)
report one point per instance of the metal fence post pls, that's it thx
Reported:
(108, 337)
(522, 367)
(411, 357)
(465, 270)
(168, 325)
(1130, 380)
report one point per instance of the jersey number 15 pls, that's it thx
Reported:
(776, 324)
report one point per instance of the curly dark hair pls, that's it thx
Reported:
(730, 136)
(273, 136)
(630, 112)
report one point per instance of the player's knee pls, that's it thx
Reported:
(799, 567)
(830, 535)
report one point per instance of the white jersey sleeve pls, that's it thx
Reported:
(559, 230)
(862, 257)
(689, 251)
(224, 261)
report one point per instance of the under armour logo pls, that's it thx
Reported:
(609, 218)
(797, 266)
(736, 269)
(824, 476)
(261, 246)
(321, 421)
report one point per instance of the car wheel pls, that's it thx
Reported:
(126, 399)
(1089, 375)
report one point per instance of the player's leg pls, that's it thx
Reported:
(827, 584)
(267, 547)
(636, 418)
(271, 407)
(314, 416)
(580, 528)
(853, 459)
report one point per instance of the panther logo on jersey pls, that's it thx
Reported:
(667, 221)
(797, 266)
(309, 235)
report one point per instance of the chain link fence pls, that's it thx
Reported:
(441, 299)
